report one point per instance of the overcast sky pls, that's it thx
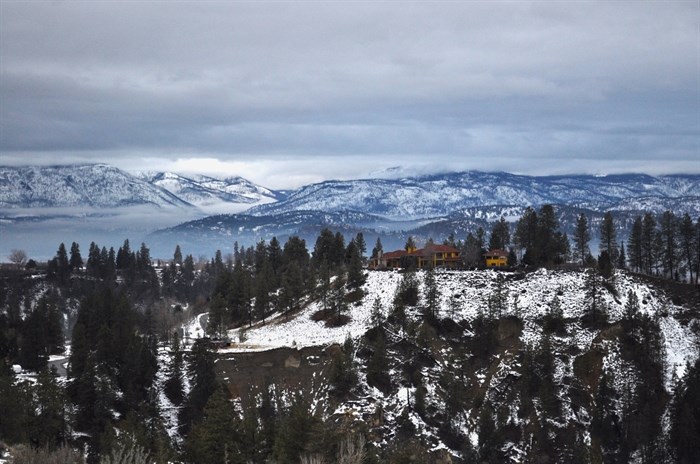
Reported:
(286, 93)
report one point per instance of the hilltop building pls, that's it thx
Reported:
(430, 256)
(496, 258)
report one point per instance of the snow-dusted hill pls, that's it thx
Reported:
(79, 186)
(529, 297)
(451, 380)
(438, 195)
(212, 195)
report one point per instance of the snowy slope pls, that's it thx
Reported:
(471, 290)
(212, 195)
(431, 196)
(93, 186)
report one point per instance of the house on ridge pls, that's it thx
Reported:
(496, 258)
(431, 256)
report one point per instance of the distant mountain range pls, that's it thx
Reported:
(423, 206)
(215, 196)
(105, 186)
(439, 195)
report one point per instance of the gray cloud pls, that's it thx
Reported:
(533, 87)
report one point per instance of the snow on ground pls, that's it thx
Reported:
(528, 296)
(301, 330)
(196, 328)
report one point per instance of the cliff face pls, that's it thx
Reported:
(511, 366)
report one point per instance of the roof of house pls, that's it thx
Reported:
(497, 253)
(429, 250)
(395, 254)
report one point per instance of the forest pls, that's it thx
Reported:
(121, 314)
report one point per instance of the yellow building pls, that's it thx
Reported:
(496, 258)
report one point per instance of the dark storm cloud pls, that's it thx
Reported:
(532, 87)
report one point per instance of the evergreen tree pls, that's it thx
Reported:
(213, 438)
(377, 316)
(59, 267)
(49, 426)
(582, 237)
(622, 257)
(337, 302)
(263, 284)
(669, 239)
(526, 232)
(608, 237)
(472, 253)
(378, 366)
(378, 249)
(342, 375)
(174, 385)
(648, 243)
(635, 246)
(432, 295)
(361, 245)
(124, 256)
(292, 288)
(688, 244)
(76, 261)
(356, 276)
(685, 418)
(293, 432)
(203, 383)
(500, 235)
(631, 306)
(595, 309)
(177, 256)
(605, 425)
(410, 244)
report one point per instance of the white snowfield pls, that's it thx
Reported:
(464, 294)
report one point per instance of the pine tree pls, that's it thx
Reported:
(378, 366)
(410, 243)
(634, 246)
(203, 380)
(685, 418)
(356, 276)
(605, 425)
(378, 249)
(687, 244)
(648, 243)
(622, 257)
(608, 237)
(432, 295)
(526, 232)
(377, 316)
(361, 244)
(212, 438)
(50, 425)
(631, 306)
(669, 239)
(76, 261)
(500, 235)
(177, 256)
(582, 237)
(173, 386)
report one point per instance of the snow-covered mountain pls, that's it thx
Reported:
(439, 195)
(212, 195)
(79, 186)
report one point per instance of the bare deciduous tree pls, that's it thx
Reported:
(18, 257)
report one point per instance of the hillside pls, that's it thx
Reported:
(212, 195)
(443, 375)
(439, 195)
(79, 186)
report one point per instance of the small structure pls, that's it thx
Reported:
(496, 258)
